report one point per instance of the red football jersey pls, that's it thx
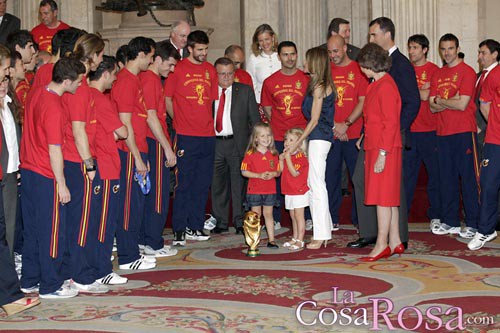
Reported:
(79, 107)
(43, 125)
(43, 35)
(351, 84)
(490, 92)
(108, 159)
(242, 76)
(426, 121)
(154, 99)
(448, 82)
(128, 95)
(295, 185)
(22, 89)
(193, 88)
(43, 75)
(285, 93)
(258, 162)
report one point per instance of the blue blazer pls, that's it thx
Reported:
(404, 75)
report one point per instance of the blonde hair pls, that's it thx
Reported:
(252, 143)
(87, 46)
(318, 64)
(263, 28)
(296, 131)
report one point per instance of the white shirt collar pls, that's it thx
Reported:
(392, 49)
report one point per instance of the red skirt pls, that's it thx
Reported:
(383, 189)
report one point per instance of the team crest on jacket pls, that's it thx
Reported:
(207, 75)
(298, 85)
(424, 76)
(455, 77)
(350, 76)
(271, 164)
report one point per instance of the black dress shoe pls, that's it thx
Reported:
(405, 244)
(361, 242)
(218, 230)
(239, 231)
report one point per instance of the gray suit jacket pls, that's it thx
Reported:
(10, 24)
(244, 114)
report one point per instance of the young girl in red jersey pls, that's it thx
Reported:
(261, 166)
(295, 168)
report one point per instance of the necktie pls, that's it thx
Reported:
(220, 111)
(480, 83)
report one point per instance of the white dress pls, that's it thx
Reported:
(260, 68)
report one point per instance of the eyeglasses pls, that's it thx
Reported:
(229, 74)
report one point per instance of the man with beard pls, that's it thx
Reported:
(190, 92)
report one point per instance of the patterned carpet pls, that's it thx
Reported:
(213, 287)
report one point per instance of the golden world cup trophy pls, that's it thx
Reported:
(252, 228)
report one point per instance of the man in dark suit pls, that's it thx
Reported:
(382, 33)
(178, 37)
(342, 27)
(235, 113)
(8, 24)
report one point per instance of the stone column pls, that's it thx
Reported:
(255, 13)
(303, 22)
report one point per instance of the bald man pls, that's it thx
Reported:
(351, 86)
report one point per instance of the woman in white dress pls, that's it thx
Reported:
(264, 59)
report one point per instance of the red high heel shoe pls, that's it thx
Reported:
(400, 249)
(384, 254)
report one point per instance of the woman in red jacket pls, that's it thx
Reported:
(383, 146)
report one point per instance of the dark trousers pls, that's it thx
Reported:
(458, 160)
(131, 210)
(9, 192)
(227, 184)
(44, 233)
(18, 235)
(340, 152)
(423, 150)
(195, 164)
(9, 283)
(490, 187)
(367, 215)
(82, 222)
(107, 227)
(157, 201)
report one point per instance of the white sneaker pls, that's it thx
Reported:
(93, 288)
(210, 222)
(197, 235)
(277, 225)
(165, 251)
(445, 229)
(112, 279)
(31, 290)
(479, 240)
(149, 258)
(435, 223)
(309, 224)
(63, 292)
(468, 232)
(139, 264)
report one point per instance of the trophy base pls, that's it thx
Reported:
(253, 253)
